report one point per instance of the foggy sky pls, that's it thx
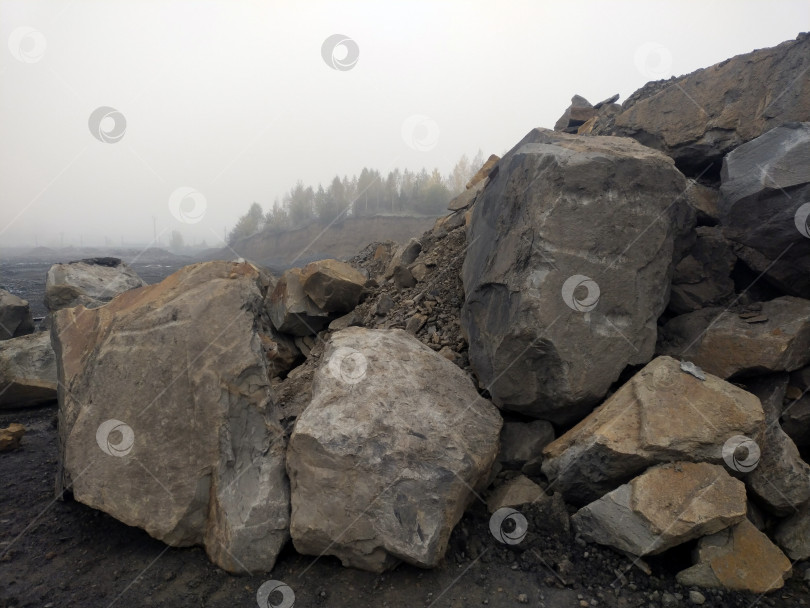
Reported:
(234, 100)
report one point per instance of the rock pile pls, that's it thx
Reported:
(583, 288)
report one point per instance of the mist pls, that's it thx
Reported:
(121, 121)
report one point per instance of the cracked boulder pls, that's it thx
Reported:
(386, 456)
(15, 316)
(740, 558)
(568, 268)
(765, 205)
(652, 418)
(666, 506)
(91, 283)
(166, 416)
(775, 337)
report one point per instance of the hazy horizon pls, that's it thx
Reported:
(213, 105)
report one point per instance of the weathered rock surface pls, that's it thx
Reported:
(698, 118)
(796, 421)
(467, 198)
(781, 479)
(522, 443)
(383, 459)
(90, 283)
(793, 535)
(166, 416)
(291, 310)
(650, 419)
(27, 371)
(515, 492)
(703, 277)
(11, 436)
(666, 506)
(773, 338)
(578, 113)
(740, 558)
(333, 285)
(557, 302)
(15, 316)
(765, 204)
(484, 172)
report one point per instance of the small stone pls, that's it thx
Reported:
(697, 598)
(523, 598)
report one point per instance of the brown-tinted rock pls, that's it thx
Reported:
(515, 492)
(11, 436)
(698, 118)
(166, 415)
(332, 285)
(727, 343)
(664, 507)
(291, 310)
(652, 418)
(740, 558)
(15, 316)
(27, 371)
(484, 171)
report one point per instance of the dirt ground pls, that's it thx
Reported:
(62, 553)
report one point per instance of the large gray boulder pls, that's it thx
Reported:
(385, 458)
(765, 205)
(166, 416)
(700, 117)
(15, 316)
(91, 282)
(664, 507)
(568, 268)
(661, 414)
(27, 371)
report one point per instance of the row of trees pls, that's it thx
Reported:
(370, 193)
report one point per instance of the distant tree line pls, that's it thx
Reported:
(370, 193)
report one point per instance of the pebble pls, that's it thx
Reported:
(697, 598)
(523, 598)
